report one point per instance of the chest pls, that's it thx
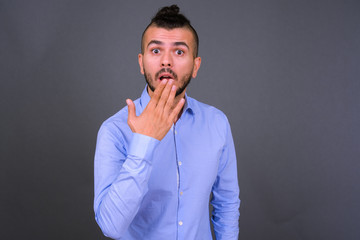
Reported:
(188, 156)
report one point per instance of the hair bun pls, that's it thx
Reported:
(172, 10)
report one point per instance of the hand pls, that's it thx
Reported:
(159, 115)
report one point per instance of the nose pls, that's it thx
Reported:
(166, 60)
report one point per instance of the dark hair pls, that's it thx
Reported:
(170, 18)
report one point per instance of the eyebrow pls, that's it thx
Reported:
(157, 42)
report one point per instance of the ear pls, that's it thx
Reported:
(140, 58)
(197, 63)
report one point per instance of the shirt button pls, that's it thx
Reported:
(180, 163)
(181, 193)
(180, 223)
(175, 132)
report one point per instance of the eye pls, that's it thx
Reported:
(179, 52)
(155, 51)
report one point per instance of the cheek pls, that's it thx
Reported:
(149, 64)
(147, 67)
(187, 65)
(191, 68)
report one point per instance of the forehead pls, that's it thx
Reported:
(168, 35)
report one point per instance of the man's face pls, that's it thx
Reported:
(168, 54)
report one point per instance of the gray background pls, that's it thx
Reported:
(285, 72)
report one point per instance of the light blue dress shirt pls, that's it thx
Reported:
(150, 189)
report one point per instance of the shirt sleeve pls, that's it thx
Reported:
(225, 200)
(121, 174)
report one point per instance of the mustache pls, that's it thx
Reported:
(168, 70)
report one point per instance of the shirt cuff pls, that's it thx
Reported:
(142, 146)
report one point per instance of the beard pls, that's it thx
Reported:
(185, 80)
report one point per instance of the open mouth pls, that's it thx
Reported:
(166, 77)
(165, 74)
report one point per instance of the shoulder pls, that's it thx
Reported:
(210, 115)
(116, 125)
(120, 118)
(206, 110)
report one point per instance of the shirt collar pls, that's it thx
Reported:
(188, 107)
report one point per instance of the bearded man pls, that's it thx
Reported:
(159, 159)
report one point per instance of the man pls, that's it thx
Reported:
(158, 160)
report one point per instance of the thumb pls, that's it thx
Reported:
(131, 109)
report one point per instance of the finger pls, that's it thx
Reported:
(131, 110)
(165, 95)
(174, 114)
(157, 93)
(170, 100)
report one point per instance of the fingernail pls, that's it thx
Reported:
(173, 88)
